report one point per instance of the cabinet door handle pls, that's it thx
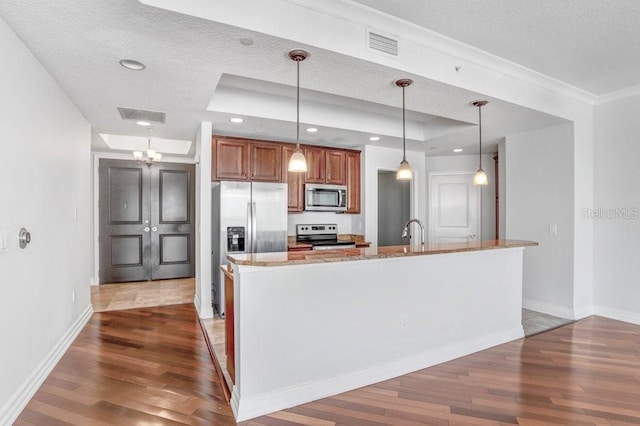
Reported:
(154, 229)
(472, 235)
(146, 229)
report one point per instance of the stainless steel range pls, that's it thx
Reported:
(321, 237)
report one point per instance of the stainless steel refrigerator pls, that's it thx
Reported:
(247, 217)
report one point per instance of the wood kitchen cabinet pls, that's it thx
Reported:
(294, 180)
(316, 164)
(335, 167)
(243, 159)
(230, 159)
(353, 181)
(266, 162)
(229, 323)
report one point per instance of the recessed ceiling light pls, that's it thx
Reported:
(236, 120)
(374, 138)
(311, 129)
(246, 41)
(130, 64)
(458, 150)
(143, 123)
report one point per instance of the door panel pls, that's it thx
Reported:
(146, 221)
(454, 209)
(174, 249)
(172, 236)
(123, 199)
(126, 250)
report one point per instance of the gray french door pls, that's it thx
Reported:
(147, 219)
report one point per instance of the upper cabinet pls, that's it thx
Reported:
(230, 159)
(336, 169)
(294, 180)
(243, 159)
(325, 165)
(316, 164)
(264, 161)
(353, 182)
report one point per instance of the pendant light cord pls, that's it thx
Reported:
(480, 131)
(404, 156)
(298, 107)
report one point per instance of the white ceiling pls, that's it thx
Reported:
(197, 70)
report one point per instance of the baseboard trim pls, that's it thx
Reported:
(549, 309)
(617, 314)
(12, 409)
(248, 408)
(204, 312)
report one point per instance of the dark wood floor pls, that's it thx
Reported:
(586, 373)
(146, 366)
(151, 366)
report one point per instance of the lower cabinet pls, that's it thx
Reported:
(229, 327)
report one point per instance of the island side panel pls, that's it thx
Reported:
(307, 331)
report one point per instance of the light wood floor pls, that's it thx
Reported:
(151, 366)
(536, 322)
(114, 297)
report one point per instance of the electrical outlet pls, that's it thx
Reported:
(404, 321)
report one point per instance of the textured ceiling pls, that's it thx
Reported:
(590, 44)
(197, 70)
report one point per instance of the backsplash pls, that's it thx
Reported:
(342, 220)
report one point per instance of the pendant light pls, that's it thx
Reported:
(151, 155)
(404, 169)
(297, 162)
(480, 178)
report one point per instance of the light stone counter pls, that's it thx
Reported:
(345, 255)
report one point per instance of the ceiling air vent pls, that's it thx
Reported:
(382, 43)
(141, 115)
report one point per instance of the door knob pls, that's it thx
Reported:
(154, 229)
(24, 238)
(146, 229)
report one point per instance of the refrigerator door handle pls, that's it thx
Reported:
(249, 236)
(254, 230)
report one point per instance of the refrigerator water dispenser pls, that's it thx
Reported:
(235, 239)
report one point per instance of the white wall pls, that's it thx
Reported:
(469, 164)
(202, 299)
(539, 194)
(45, 170)
(617, 232)
(377, 158)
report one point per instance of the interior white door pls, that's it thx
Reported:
(454, 206)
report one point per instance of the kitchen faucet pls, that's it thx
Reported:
(406, 233)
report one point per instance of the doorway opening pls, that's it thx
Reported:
(394, 208)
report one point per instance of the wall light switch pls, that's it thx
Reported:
(4, 246)
(553, 229)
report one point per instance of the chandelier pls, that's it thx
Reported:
(149, 157)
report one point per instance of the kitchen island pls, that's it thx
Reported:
(312, 324)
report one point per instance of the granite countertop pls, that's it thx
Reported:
(350, 254)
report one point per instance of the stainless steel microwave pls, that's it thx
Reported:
(325, 198)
